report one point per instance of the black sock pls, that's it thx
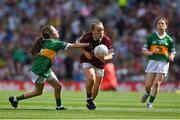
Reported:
(88, 95)
(148, 92)
(21, 97)
(58, 102)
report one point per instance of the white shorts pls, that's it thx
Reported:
(99, 71)
(155, 66)
(38, 79)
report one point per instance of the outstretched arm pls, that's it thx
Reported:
(78, 45)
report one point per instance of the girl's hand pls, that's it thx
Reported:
(147, 52)
(155, 50)
(171, 57)
(101, 58)
(88, 55)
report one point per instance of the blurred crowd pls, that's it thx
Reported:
(127, 23)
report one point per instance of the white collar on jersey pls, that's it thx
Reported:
(162, 36)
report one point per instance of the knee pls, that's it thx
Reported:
(38, 93)
(92, 78)
(96, 87)
(148, 87)
(58, 87)
(91, 82)
(157, 83)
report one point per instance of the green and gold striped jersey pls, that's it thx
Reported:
(165, 46)
(44, 60)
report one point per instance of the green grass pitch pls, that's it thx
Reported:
(110, 105)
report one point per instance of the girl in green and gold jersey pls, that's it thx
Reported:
(44, 49)
(160, 50)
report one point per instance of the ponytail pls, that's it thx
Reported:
(36, 47)
(46, 31)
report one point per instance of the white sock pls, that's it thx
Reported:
(14, 99)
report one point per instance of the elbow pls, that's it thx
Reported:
(144, 52)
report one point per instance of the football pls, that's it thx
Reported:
(100, 50)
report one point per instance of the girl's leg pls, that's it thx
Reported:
(91, 77)
(149, 81)
(96, 87)
(148, 84)
(57, 91)
(155, 87)
(37, 91)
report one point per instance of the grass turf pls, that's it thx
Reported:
(110, 105)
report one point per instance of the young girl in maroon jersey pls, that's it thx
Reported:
(93, 67)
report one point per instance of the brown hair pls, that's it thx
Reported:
(161, 18)
(93, 24)
(46, 31)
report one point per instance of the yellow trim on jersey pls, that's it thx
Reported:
(162, 49)
(47, 53)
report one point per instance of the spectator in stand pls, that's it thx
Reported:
(21, 20)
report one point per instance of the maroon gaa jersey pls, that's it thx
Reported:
(88, 38)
